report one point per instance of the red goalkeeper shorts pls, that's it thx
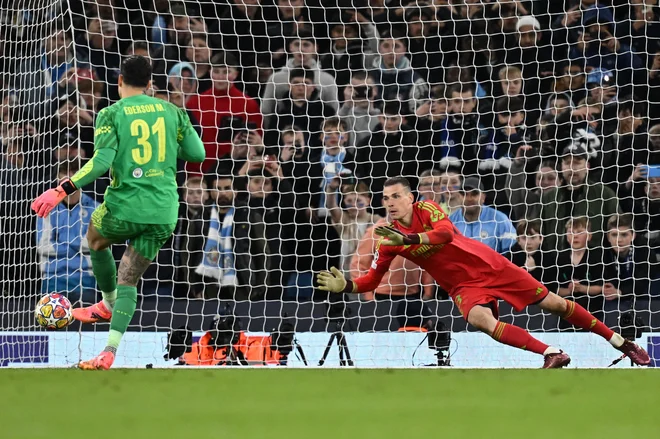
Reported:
(513, 285)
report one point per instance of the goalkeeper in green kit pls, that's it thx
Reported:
(139, 139)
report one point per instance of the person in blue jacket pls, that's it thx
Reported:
(62, 245)
(480, 222)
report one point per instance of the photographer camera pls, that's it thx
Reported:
(220, 345)
(226, 344)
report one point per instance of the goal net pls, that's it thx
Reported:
(534, 125)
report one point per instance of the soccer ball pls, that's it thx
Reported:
(53, 311)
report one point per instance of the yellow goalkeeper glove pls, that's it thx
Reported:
(395, 237)
(334, 281)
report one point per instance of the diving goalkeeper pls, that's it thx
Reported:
(474, 274)
(139, 139)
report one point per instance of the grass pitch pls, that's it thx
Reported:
(314, 404)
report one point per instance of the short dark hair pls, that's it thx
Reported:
(525, 227)
(622, 221)
(392, 108)
(301, 72)
(136, 70)
(334, 122)
(393, 181)
(461, 88)
(581, 221)
(224, 59)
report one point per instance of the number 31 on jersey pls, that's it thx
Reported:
(140, 129)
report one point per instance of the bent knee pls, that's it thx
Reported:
(483, 319)
(96, 243)
(554, 303)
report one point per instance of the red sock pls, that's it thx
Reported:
(580, 317)
(518, 338)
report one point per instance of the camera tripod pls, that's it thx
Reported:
(343, 349)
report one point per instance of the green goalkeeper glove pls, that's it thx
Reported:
(395, 237)
(334, 282)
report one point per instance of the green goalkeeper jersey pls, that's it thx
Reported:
(148, 135)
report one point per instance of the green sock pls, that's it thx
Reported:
(122, 315)
(105, 272)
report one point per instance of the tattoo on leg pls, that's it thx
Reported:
(132, 267)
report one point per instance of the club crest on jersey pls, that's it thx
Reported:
(374, 264)
(137, 172)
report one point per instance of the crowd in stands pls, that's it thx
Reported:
(534, 124)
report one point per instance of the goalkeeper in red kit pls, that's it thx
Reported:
(475, 276)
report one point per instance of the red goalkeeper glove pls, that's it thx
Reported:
(395, 237)
(52, 197)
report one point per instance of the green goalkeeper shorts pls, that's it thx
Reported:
(146, 239)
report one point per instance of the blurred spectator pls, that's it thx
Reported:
(599, 48)
(236, 253)
(304, 52)
(602, 86)
(137, 48)
(431, 123)
(462, 128)
(181, 78)
(424, 42)
(243, 30)
(198, 54)
(400, 285)
(501, 144)
(450, 187)
(526, 253)
(627, 271)
(396, 79)
(512, 86)
(641, 196)
(558, 103)
(62, 245)
(480, 222)
(354, 47)
(528, 52)
(101, 51)
(358, 111)
(526, 202)
(580, 268)
(575, 197)
(180, 24)
(91, 90)
(221, 108)
(571, 81)
(303, 107)
(37, 77)
(189, 238)
(290, 15)
(69, 120)
(18, 259)
(351, 220)
(273, 200)
(627, 145)
(335, 160)
(301, 169)
(391, 150)
(429, 186)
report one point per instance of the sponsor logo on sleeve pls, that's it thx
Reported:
(374, 264)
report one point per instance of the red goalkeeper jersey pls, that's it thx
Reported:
(452, 259)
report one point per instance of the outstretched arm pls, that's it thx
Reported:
(335, 282)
